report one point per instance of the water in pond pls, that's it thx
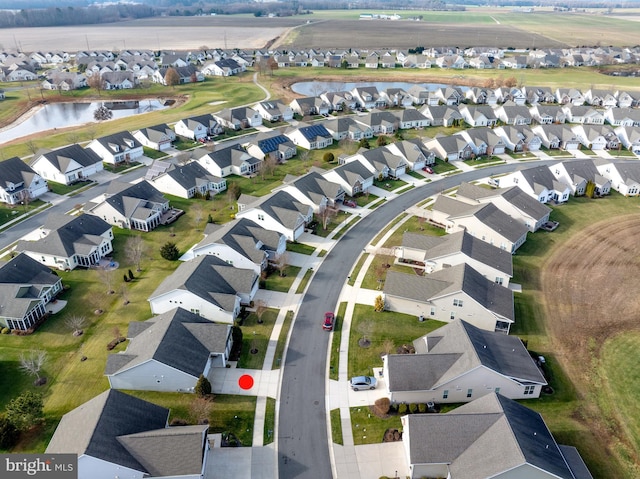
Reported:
(316, 88)
(62, 115)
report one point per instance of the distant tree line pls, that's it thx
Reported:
(54, 16)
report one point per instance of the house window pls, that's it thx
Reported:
(469, 392)
(433, 311)
(195, 311)
(452, 316)
(445, 394)
(515, 180)
(261, 217)
(499, 280)
(497, 390)
(528, 390)
(457, 302)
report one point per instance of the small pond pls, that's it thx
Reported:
(316, 88)
(62, 115)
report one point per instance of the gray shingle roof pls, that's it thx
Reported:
(284, 208)
(233, 155)
(352, 172)
(484, 438)
(15, 171)
(210, 278)
(541, 176)
(68, 235)
(315, 187)
(93, 427)
(133, 200)
(123, 140)
(191, 175)
(61, 158)
(178, 338)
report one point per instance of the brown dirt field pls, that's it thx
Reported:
(591, 292)
(404, 34)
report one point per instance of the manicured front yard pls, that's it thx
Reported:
(255, 338)
(9, 213)
(368, 428)
(443, 167)
(415, 224)
(332, 224)
(60, 189)
(336, 338)
(336, 426)
(389, 184)
(301, 248)
(276, 282)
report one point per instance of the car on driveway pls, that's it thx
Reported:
(358, 383)
(329, 318)
(350, 203)
(428, 169)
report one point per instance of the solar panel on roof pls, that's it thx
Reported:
(314, 131)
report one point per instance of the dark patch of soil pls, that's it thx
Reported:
(364, 342)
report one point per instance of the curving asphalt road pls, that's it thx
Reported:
(303, 447)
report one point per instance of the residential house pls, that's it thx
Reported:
(380, 122)
(117, 148)
(419, 95)
(410, 118)
(347, 127)
(485, 221)
(368, 97)
(627, 99)
(538, 94)
(231, 160)
(67, 165)
(450, 148)
(556, 137)
(314, 190)
(623, 116)
(19, 183)
(381, 162)
(458, 363)
(513, 95)
(512, 201)
(483, 141)
(118, 435)
(310, 105)
(157, 137)
(64, 81)
(414, 152)
(518, 138)
(271, 143)
(198, 127)
(452, 61)
(539, 183)
(449, 95)
(572, 96)
(583, 114)
(597, 137)
(66, 242)
(340, 100)
(26, 288)
(548, 114)
(629, 138)
(279, 211)
(600, 98)
(481, 96)
(442, 115)
(207, 286)
(513, 114)
(475, 116)
(238, 118)
(169, 352)
(242, 243)
(309, 137)
(624, 177)
(274, 110)
(354, 177)
(451, 293)
(491, 436)
(186, 74)
(372, 60)
(118, 80)
(397, 97)
(137, 206)
(185, 181)
(224, 67)
(578, 174)
(433, 253)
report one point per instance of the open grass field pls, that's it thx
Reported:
(579, 309)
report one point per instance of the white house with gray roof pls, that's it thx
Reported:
(458, 292)
(169, 352)
(484, 221)
(157, 137)
(118, 435)
(279, 211)
(629, 137)
(346, 127)
(518, 138)
(414, 152)
(433, 253)
(232, 160)
(242, 243)
(512, 201)
(67, 165)
(138, 206)
(381, 162)
(314, 190)
(354, 177)
(117, 148)
(578, 173)
(459, 363)
(271, 143)
(208, 286)
(66, 242)
(490, 437)
(450, 148)
(19, 182)
(310, 137)
(539, 183)
(187, 181)
(26, 287)
(198, 127)
(624, 177)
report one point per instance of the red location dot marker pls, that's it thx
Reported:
(245, 382)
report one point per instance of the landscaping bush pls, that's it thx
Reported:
(381, 407)
(25, 410)
(413, 408)
(203, 387)
(402, 409)
(422, 408)
(9, 433)
(170, 251)
(178, 422)
(6, 331)
(328, 157)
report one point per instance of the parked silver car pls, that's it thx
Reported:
(363, 382)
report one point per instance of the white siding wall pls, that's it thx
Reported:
(153, 376)
(94, 468)
(269, 223)
(190, 301)
(166, 184)
(229, 255)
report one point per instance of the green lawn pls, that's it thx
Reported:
(282, 340)
(356, 270)
(332, 224)
(153, 154)
(305, 280)
(389, 184)
(443, 167)
(276, 282)
(368, 428)
(255, 336)
(269, 421)
(9, 213)
(380, 235)
(364, 199)
(301, 248)
(414, 224)
(336, 426)
(385, 329)
(336, 338)
(416, 175)
(60, 189)
(483, 160)
(376, 274)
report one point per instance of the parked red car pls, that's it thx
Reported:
(428, 169)
(329, 318)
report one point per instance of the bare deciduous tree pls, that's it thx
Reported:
(233, 193)
(75, 322)
(107, 277)
(124, 291)
(31, 146)
(95, 82)
(388, 346)
(32, 362)
(198, 214)
(261, 308)
(201, 408)
(281, 262)
(135, 250)
(326, 215)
